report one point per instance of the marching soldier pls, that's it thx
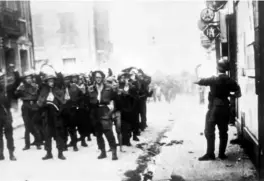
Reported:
(5, 121)
(101, 99)
(50, 99)
(221, 87)
(28, 92)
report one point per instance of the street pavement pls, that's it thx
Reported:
(185, 143)
(182, 145)
(81, 165)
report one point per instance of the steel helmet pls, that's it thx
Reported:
(47, 77)
(223, 65)
(29, 73)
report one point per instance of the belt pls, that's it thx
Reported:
(29, 101)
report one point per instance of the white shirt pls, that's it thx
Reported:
(99, 89)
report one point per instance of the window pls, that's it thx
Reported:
(67, 28)
(68, 63)
(12, 5)
(38, 30)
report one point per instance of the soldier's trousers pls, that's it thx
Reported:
(216, 116)
(126, 127)
(84, 123)
(7, 129)
(28, 115)
(53, 128)
(143, 113)
(104, 126)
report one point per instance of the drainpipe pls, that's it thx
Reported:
(31, 36)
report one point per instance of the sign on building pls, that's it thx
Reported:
(207, 15)
(212, 32)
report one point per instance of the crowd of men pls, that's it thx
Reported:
(62, 106)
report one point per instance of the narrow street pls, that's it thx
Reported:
(84, 165)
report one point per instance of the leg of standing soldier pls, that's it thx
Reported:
(143, 112)
(210, 136)
(1, 140)
(82, 126)
(36, 119)
(48, 135)
(73, 128)
(100, 142)
(25, 115)
(222, 124)
(9, 137)
(112, 142)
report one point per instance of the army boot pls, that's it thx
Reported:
(12, 156)
(48, 156)
(102, 155)
(114, 154)
(61, 156)
(84, 144)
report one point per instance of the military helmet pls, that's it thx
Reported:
(47, 77)
(28, 73)
(223, 65)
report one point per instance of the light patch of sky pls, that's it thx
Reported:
(176, 44)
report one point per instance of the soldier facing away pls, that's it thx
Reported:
(221, 87)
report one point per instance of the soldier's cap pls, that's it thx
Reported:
(47, 77)
(100, 72)
(223, 65)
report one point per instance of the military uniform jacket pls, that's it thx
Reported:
(28, 92)
(107, 95)
(57, 93)
(220, 88)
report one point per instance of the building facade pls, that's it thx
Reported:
(64, 37)
(242, 28)
(102, 33)
(16, 35)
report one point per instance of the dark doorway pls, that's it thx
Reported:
(24, 60)
(9, 57)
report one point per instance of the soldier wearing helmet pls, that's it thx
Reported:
(28, 93)
(50, 100)
(221, 88)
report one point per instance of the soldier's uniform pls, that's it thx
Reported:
(143, 95)
(101, 113)
(5, 122)
(29, 95)
(126, 103)
(218, 110)
(51, 99)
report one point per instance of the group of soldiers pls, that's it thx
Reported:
(167, 88)
(62, 106)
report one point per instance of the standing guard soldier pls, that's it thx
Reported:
(50, 99)
(101, 99)
(28, 92)
(221, 87)
(5, 121)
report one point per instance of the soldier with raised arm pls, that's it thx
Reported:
(221, 88)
